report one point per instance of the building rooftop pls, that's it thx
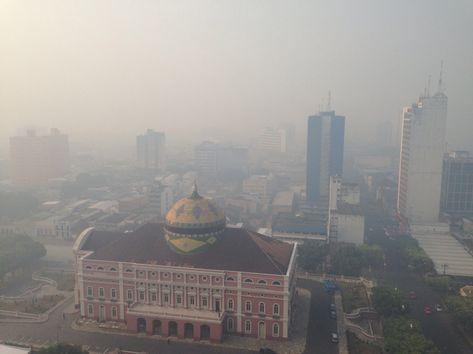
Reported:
(236, 249)
(349, 209)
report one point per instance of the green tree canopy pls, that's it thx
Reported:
(388, 301)
(63, 349)
(312, 255)
(462, 309)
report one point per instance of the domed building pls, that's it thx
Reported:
(193, 224)
(192, 276)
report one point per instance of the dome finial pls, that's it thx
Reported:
(195, 194)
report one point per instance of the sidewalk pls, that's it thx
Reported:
(342, 333)
(295, 344)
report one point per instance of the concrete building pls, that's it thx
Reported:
(260, 186)
(206, 158)
(35, 159)
(190, 277)
(346, 222)
(151, 150)
(457, 184)
(422, 149)
(325, 141)
(273, 140)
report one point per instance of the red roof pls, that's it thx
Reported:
(236, 250)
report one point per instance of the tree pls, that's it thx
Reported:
(346, 259)
(372, 255)
(462, 310)
(312, 255)
(63, 349)
(17, 205)
(388, 301)
(403, 335)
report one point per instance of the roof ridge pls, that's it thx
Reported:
(265, 253)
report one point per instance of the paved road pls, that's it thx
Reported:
(438, 327)
(320, 323)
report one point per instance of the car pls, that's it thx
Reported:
(438, 308)
(412, 295)
(333, 315)
(334, 337)
(332, 307)
(427, 310)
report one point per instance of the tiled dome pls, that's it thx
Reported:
(193, 223)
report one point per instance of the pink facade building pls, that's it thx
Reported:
(190, 277)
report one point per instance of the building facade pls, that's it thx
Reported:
(422, 149)
(457, 183)
(325, 141)
(151, 150)
(190, 277)
(273, 140)
(35, 159)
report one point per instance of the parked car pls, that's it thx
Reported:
(438, 308)
(333, 315)
(334, 337)
(412, 295)
(332, 307)
(427, 310)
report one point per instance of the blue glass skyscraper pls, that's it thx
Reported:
(325, 140)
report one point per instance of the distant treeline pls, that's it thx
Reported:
(17, 205)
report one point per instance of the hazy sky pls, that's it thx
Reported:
(228, 67)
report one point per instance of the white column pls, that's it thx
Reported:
(238, 303)
(80, 281)
(121, 293)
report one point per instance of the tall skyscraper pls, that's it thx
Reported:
(325, 140)
(274, 140)
(151, 150)
(457, 183)
(34, 159)
(422, 149)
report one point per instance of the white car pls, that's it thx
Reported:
(334, 337)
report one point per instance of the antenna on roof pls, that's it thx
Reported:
(329, 101)
(440, 88)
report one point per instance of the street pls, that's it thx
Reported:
(438, 327)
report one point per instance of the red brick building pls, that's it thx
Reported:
(190, 277)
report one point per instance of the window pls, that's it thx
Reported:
(166, 275)
(262, 282)
(248, 280)
(275, 309)
(99, 268)
(248, 326)
(178, 299)
(88, 267)
(230, 279)
(178, 276)
(113, 293)
(248, 306)
(191, 277)
(153, 296)
(230, 304)
(276, 282)
(261, 307)
(129, 294)
(230, 324)
(90, 291)
(192, 300)
(217, 280)
(166, 298)
(128, 270)
(142, 296)
(113, 269)
(204, 301)
(90, 309)
(114, 312)
(204, 278)
(101, 292)
(153, 274)
(275, 330)
(142, 273)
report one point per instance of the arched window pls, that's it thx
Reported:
(230, 279)
(275, 330)
(230, 324)
(248, 280)
(261, 307)
(248, 326)
(230, 304)
(262, 282)
(99, 268)
(128, 270)
(248, 306)
(113, 269)
(276, 282)
(88, 267)
(275, 309)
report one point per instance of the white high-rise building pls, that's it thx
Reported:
(274, 140)
(151, 150)
(422, 150)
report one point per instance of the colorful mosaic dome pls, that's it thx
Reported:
(193, 224)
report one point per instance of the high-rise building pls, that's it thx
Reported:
(325, 140)
(422, 149)
(34, 159)
(206, 158)
(457, 183)
(151, 150)
(273, 140)
(214, 159)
